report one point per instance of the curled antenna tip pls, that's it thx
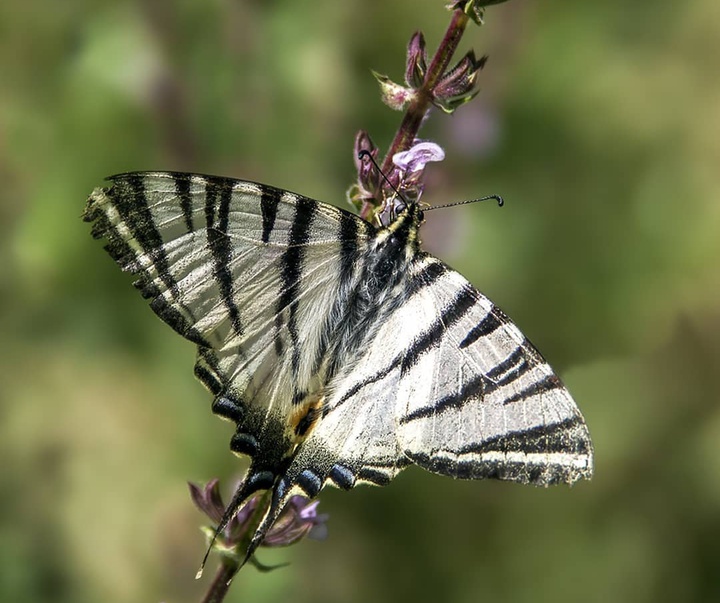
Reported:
(498, 198)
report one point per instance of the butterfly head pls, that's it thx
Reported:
(401, 236)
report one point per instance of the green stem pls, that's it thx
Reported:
(230, 564)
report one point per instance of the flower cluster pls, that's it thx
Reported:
(380, 191)
(405, 176)
(299, 519)
(454, 88)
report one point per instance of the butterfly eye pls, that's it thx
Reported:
(421, 215)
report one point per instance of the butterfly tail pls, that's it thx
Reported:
(279, 499)
(255, 481)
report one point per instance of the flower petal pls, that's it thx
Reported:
(415, 158)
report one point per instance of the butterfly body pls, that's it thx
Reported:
(342, 352)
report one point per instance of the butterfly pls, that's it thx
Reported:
(341, 351)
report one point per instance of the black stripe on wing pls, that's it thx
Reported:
(488, 325)
(473, 389)
(545, 384)
(430, 272)
(182, 190)
(524, 473)
(208, 370)
(554, 438)
(558, 448)
(519, 362)
(291, 265)
(515, 367)
(452, 313)
(218, 194)
(269, 200)
(127, 196)
(130, 199)
(514, 360)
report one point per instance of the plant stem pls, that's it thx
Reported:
(221, 582)
(231, 564)
(420, 105)
(418, 108)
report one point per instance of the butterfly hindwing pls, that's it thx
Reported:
(479, 400)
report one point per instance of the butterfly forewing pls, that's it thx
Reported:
(342, 352)
(240, 269)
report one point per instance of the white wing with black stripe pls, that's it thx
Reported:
(342, 352)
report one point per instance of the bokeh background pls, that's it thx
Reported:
(599, 122)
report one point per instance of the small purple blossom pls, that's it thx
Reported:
(394, 95)
(300, 519)
(404, 177)
(368, 177)
(410, 169)
(416, 64)
(457, 86)
(367, 187)
(207, 498)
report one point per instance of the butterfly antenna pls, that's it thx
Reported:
(362, 154)
(498, 198)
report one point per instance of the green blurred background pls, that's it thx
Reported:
(599, 122)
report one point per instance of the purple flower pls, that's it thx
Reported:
(458, 85)
(368, 176)
(299, 519)
(410, 168)
(415, 158)
(367, 187)
(416, 64)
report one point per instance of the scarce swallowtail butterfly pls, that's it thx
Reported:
(342, 352)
